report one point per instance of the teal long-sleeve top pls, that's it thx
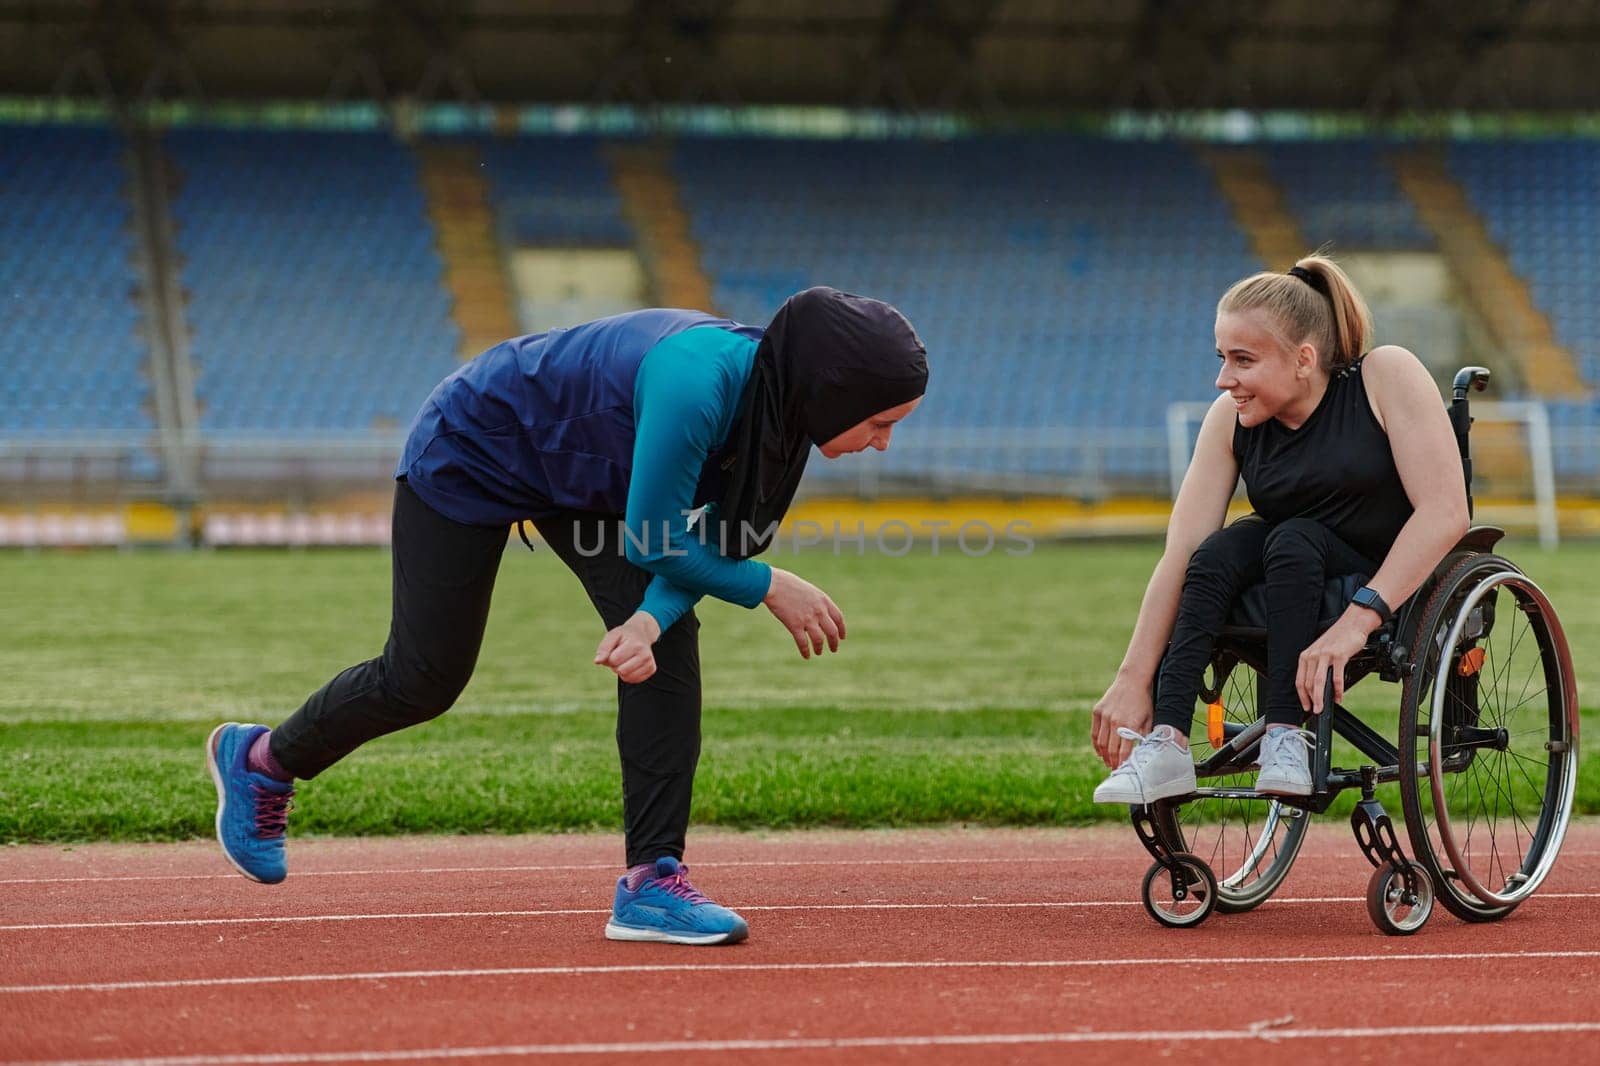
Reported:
(685, 399)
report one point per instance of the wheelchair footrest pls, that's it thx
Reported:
(1372, 827)
(1171, 854)
(1375, 835)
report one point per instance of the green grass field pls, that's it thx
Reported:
(962, 695)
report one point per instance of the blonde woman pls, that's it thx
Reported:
(1351, 468)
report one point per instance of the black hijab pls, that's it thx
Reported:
(829, 361)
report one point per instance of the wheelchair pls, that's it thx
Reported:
(1486, 756)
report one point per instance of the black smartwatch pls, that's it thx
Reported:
(1368, 597)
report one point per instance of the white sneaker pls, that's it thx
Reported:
(1157, 768)
(1285, 762)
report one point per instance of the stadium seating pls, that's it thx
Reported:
(1064, 285)
(1057, 281)
(554, 191)
(71, 354)
(1537, 199)
(315, 299)
(1345, 193)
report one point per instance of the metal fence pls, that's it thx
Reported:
(1088, 464)
(310, 472)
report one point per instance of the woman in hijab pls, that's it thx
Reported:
(655, 452)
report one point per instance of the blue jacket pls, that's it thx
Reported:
(565, 420)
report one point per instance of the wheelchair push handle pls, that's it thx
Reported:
(1469, 377)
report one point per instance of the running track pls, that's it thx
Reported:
(935, 947)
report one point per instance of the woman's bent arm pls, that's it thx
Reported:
(1429, 463)
(1199, 511)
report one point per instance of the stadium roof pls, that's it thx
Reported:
(988, 56)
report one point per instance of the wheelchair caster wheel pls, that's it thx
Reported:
(1394, 910)
(1182, 894)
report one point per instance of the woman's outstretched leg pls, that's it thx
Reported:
(443, 578)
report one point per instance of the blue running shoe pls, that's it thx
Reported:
(252, 809)
(668, 908)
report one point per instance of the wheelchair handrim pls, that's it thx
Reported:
(1553, 823)
(1264, 844)
(1269, 858)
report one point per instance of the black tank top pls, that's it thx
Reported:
(1336, 469)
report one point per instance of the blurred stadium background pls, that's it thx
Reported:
(241, 240)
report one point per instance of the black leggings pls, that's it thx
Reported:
(444, 574)
(1294, 558)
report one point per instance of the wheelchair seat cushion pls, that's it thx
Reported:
(1250, 610)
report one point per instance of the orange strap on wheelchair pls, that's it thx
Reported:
(1214, 732)
(1471, 662)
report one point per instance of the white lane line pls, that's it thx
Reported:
(556, 912)
(785, 967)
(1266, 1033)
(282, 919)
(266, 919)
(1019, 860)
(614, 867)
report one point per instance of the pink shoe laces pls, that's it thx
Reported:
(272, 811)
(678, 885)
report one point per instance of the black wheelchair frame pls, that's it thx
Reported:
(1180, 889)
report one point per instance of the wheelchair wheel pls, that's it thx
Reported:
(1391, 908)
(1488, 738)
(1179, 898)
(1250, 843)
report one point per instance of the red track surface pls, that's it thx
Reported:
(957, 946)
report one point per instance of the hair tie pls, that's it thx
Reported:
(1304, 275)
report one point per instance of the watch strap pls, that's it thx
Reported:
(1368, 597)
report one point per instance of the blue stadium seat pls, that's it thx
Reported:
(314, 284)
(1344, 192)
(1056, 280)
(71, 349)
(554, 191)
(1537, 199)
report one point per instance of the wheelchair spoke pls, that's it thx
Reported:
(1532, 731)
(1502, 666)
(1526, 681)
(1519, 824)
(1503, 791)
(1523, 758)
(1531, 690)
(1516, 815)
(1471, 825)
(1492, 770)
(1510, 785)
(1521, 704)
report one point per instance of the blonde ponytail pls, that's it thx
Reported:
(1315, 303)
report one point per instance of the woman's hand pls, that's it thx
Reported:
(1331, 651)
(1126, 703)
(625, 650)
(806, 612)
